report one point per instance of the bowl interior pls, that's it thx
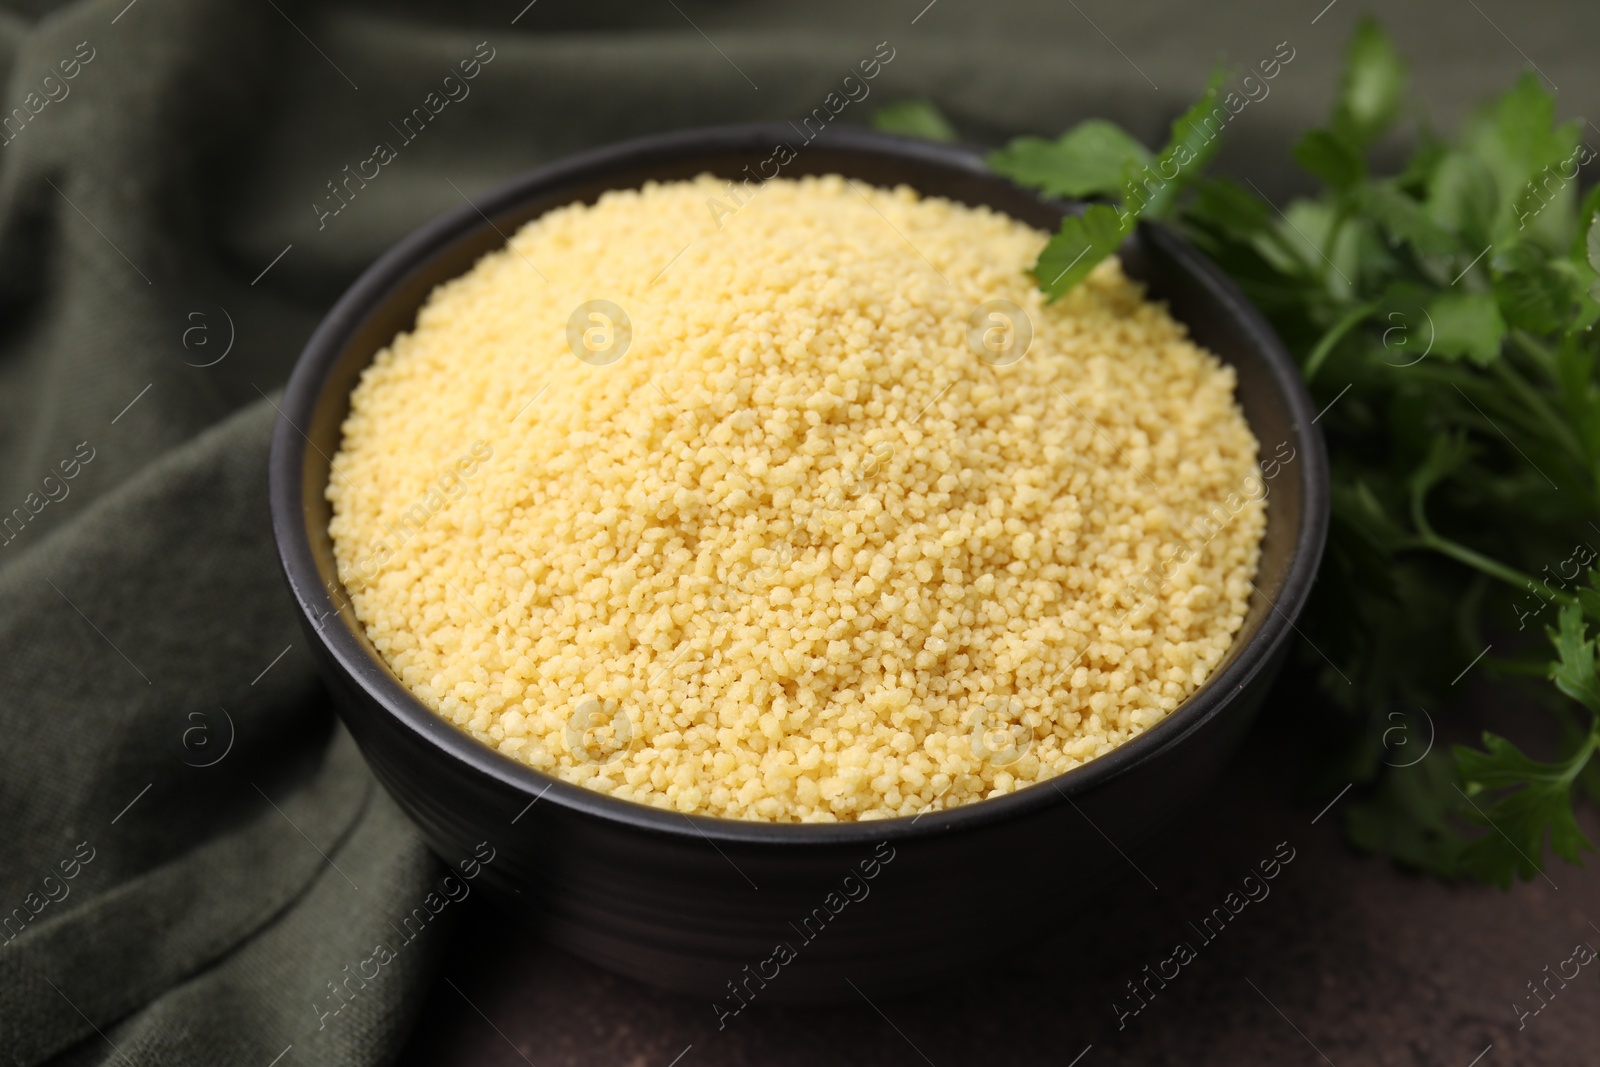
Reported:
(384, 302)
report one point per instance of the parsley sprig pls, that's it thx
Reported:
(1443, 314)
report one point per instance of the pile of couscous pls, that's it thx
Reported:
(744, 502)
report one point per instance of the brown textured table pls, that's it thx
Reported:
(1345, 960)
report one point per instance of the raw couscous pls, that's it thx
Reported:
(785, 530)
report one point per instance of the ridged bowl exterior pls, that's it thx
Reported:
(732, 910)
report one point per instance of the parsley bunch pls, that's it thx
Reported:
(1443, 317)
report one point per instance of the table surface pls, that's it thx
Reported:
(1347, 961)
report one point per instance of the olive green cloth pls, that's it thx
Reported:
(195, 865)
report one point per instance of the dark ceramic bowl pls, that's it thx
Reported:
(784, 911)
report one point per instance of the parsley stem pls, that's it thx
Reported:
(1295, 253)
(1429, 539)
(1580, 759)
(1547, 416)
(1494, 568)
(1531, 346)
(1335, 334)
(1341, 213)
(1482, 393)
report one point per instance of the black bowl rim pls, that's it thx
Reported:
(347, 652)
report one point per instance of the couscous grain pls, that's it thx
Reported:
(804, 552)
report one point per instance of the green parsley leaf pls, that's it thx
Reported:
(1409, 817)
(1467, 324)
(914, 118)
(1230, 207)
(1373, 88)
(1196, 136)
(1330, 158)
(1461, 198)
(1084, 240)
(1574, 672)
(1538, 806)
(1534, 292)
(1091, 159)
(1096, 157)
(1516, 138)
(1403, 219)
